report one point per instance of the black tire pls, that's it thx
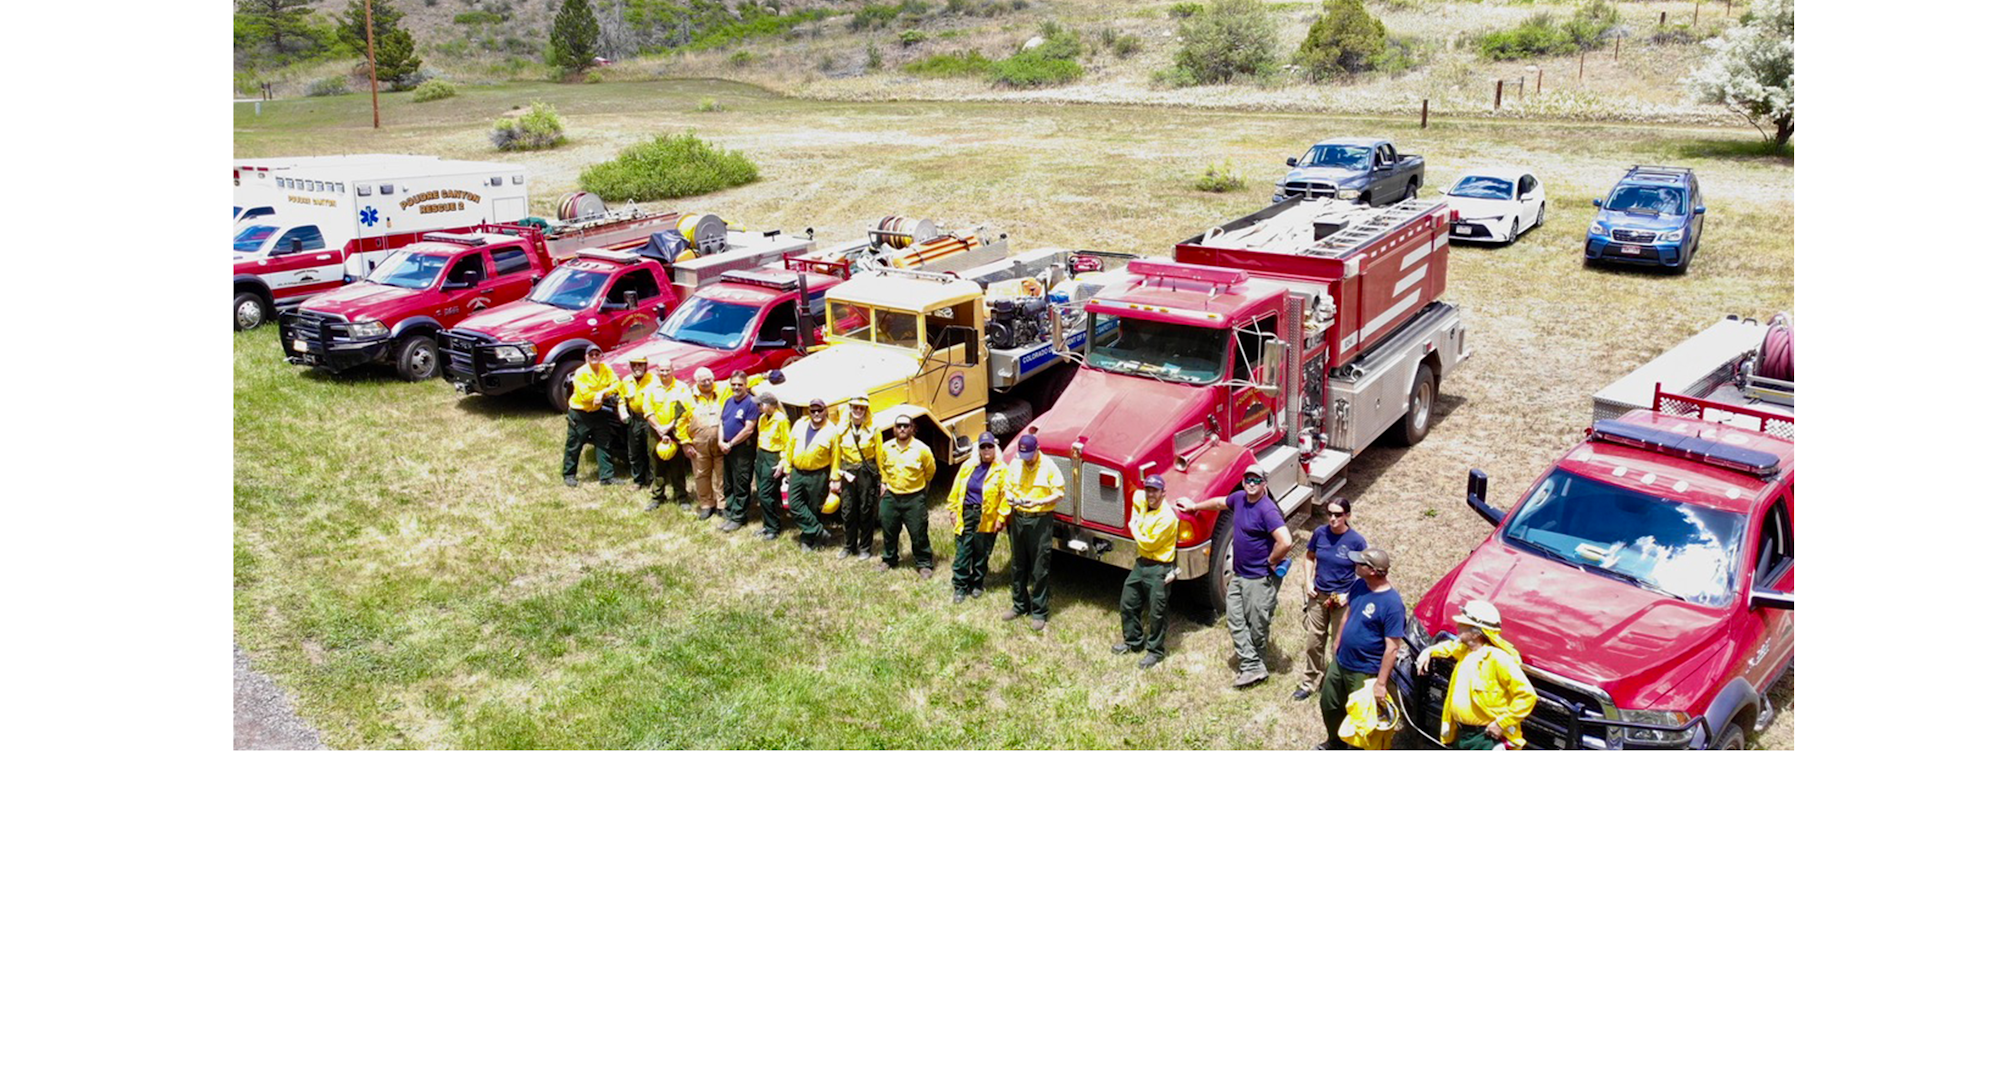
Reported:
(1541, 212)
(417, 358)
(249, 312)
(1513, 230)
(1417, 412)
(1731, 739)
(558, 387)
(1221, 565)
(1410, 192)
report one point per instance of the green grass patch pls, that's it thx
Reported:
(1219, 177)
(668, 167)
(760, 26)
(964, 64)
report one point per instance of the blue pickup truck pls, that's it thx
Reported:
(1652, 216)
(1367, 171)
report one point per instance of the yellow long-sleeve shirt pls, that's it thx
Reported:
(907, 469)
(1041, 484)
(1487, 686)
(774, 431)
(809, 448)
(707, 409)
(1155, 530)
(856, 444)
(666, 405)
(591, 384)
(992, 496)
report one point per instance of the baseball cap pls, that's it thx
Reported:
(640, 359)
(987, 439)
(1374, 558)
(816, 403)
(1153, 481)
(1029, 445)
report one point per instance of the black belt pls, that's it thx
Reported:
(1150, 560)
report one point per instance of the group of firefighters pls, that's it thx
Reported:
(743, 450)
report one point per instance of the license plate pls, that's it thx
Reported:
(1629, 249)
(1467, 230)
(298, 345)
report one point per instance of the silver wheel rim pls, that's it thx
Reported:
(1420, 410)
(249, 314)
(423, 360)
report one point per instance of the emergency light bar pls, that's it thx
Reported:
(607, 255)
(772, 279)
(470, 240)
(1695, 448)
(1182, 272)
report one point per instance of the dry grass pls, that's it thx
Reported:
(457, 596)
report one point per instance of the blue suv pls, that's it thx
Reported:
(1652, 216)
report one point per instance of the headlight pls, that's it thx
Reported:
(370, 329)
(1657, 729)
(518, 355)
(1671, 236)
(1349, 193)
(1597, 230)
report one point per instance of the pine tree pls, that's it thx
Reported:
(1343, 40)
(279, 25)
(573, 37)
(396, 59)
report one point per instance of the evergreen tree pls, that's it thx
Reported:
(1345, 39)
(573, 37)
(1226, 39)
(396, 59)
(277, 25)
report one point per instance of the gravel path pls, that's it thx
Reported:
(264, 716)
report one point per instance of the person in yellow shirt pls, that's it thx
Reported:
(639, 438)
(592, 417)
(704, 442)
(1489, 695)
(774, 438)
(666, 409)
(907, 469)
(1155, 526)
(808, 461)
(857, 477)
(1034, 488)
(978, 506)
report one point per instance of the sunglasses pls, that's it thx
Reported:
(903, 425)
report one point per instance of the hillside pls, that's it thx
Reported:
(844, 50)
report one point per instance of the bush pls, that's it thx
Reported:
(1033, 68)
(1220, 177)
(1183, 9)
(741, 58)
(1540, 35)
(327, 87)
(708, 105)
(537, 129)
(1120, 44)
(1400, 54)
(874, 58)
(1345, 39)
(667, 167)
(435, 90)
(965, 64)
(1227, 39)
(593, 76)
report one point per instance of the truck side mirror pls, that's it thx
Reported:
(1770, 599)
(1475, 497)
(1291, 161)
(1702, 209)
(1597, 203)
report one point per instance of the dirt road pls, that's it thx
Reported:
(264, 716)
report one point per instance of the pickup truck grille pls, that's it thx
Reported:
(1557, 722)
(1633, 236)
(319, 329)
(458, 347)
(1310, 189)
(1102, 493)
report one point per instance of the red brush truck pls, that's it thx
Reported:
(1288, 339)
(749, 321)
(1647, 576)
(608, 299)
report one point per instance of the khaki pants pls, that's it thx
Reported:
(1323, 614)
(704, 451)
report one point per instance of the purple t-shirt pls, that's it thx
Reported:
(1254, 525)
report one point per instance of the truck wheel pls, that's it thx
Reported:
(249, 312)
(1731, 739)
(417, 358)
(558, 387)
(1513, 230)
(1221, 564)
(1411, 191)
(1417, 415)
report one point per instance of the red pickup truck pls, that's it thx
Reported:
(749, 322)
(397, 313)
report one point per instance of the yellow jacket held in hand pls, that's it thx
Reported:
(1487, 686)
(909, 469)
(992, 497)
(590, 384)
(1155, 531)
(1368, 724)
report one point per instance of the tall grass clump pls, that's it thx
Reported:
(668, 167)
(537, 129)
(1052, 63)
(1220, 177)
(435, 90)
(964, 64)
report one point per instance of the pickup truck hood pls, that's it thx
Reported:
(1320, 174)
(1129, 419)
(1625, 639)
(524, 321)
(682, 358)
(363, 300)
(842, 371)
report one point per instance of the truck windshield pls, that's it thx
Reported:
(1169, 351)
(1339, 157)
(1659, 543)
(569, 287)
(704, 322)
(1644, 199)
(409, 270)
(252, 238)
(1483, 188)
(888, 327)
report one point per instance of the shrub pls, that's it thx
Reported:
(708, 105)
(964, 64)
(1220, 177)
(435, 90)
(1183, 9)
(912, 37)
(741, 58)
(667, 167)
(1345, 39)
(1125, 45)
(1034, 68)
(1227, 39)
(537, 129)
(1400, 54)
(1540, 35)
(593, 76)
(331, 85)
(874, 58)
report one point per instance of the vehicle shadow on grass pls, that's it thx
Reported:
(523, 404)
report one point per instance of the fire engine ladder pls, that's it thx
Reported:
(1369, 226)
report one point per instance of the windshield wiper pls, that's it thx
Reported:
(1632, 578)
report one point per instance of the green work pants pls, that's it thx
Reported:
(975, 552)
(672, 472)
(766, 471)
(639, 450)
(1333, 692)
(860, 503)
(1032, 536)
(1145, 599)
(808, 491)
(739, 473)
(598, 428)
(900, 512)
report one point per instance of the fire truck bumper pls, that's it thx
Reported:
(1190, 562)
(338, 358)
(470, 380)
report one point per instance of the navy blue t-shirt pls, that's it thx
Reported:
(736, 414)
(1333, 559)
(1373, 618)
(1254, 525)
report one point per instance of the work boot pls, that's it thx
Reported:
(1250, 676)
(977, 591)
(706, 513)
(731, 527)
(1037, 624)
(1013, 614)
(885, 566)
(957, 596)
(639, 483)
(569, 480)
(1121, 648)
(1151, 660)
(607, 481)
(655, 505)
(1304, 693)
(841, 554)
(924, 573)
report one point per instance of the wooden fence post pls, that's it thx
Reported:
(1538, 82)
(1579, 66)
(1425, 120)
(1497, 84)
(1615, 43)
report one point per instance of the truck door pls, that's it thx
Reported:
(307, 259)
(1252, 412)
(468, 286)
(777, 338)
(1771, 569)
(513, 273)
(636, 320)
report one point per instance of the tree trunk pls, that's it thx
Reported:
(1784, 131)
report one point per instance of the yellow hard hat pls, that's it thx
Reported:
(665, 449)
(832, 504)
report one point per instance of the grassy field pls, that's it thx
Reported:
(408, 565)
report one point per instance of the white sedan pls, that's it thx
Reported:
(1495, 204)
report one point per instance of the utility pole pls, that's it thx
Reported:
(374, 101)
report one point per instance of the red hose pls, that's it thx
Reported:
(1774, 361)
